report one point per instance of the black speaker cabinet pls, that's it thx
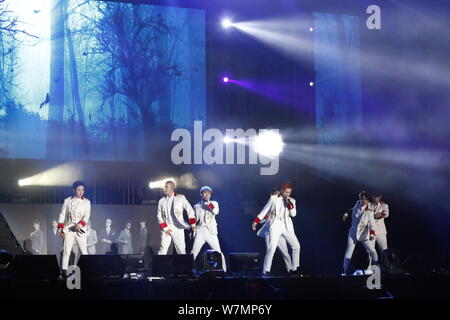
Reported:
(177, 265)
(97, 267)
(245, 261)
(37, 268)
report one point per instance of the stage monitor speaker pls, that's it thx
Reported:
(245, 262)
(8, 241)
(177, 265)
(99, 267)
(133, 263)
(35, 268)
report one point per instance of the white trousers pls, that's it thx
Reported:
(278, 230)
(177, 236)
(69, 238)
(381, 240)
(203, 235)
(368, 245)
(282, 247)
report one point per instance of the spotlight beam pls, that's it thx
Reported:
(285, 34)
(61, 175)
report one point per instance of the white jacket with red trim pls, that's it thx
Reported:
(180, 203)
(383, 209)
(206, 213)
(363, 222)
(74, 211)
(274, 207)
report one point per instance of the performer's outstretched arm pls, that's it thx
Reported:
(62, 215)
(191, 213)
(87, 215)
(267, 208)
(161, 222)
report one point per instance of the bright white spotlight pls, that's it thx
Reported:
(226, 23)
(269, 143)
(311, 83)
(311, 29)
(159, 184)
(62, 175)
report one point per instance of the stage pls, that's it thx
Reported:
(399, 287)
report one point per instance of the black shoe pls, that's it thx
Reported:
(265, 274)
(295, 273)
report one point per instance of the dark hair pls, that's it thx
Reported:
(286, 185)
(376, 194)
(363, 194)
(76, 184)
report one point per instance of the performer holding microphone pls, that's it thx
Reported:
(362, 230)
(283, 209)
(171, 221)
(73, 219)
(206, 211)
(264, 231)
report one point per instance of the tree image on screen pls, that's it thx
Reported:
(98, 80)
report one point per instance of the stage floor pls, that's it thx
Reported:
(418, 286)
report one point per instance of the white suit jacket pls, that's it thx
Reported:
(206, 215)
(363, 222)
(380, 227)
(180, 203)
(74, 211)
(274, 207)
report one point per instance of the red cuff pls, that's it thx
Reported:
(372, 232)
(291, 206)
(192, 221)
(211, 206)
(267, 216)
(163, 225)
(257, 220)
(83, 223)
(60, 225)
(383, 214)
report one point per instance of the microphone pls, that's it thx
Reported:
(288, 203)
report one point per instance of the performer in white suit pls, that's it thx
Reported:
(381, 212)
(264, 232)
(206, 211)
(282, 209)
(73, 219)
(362, 230)
(171, 221)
